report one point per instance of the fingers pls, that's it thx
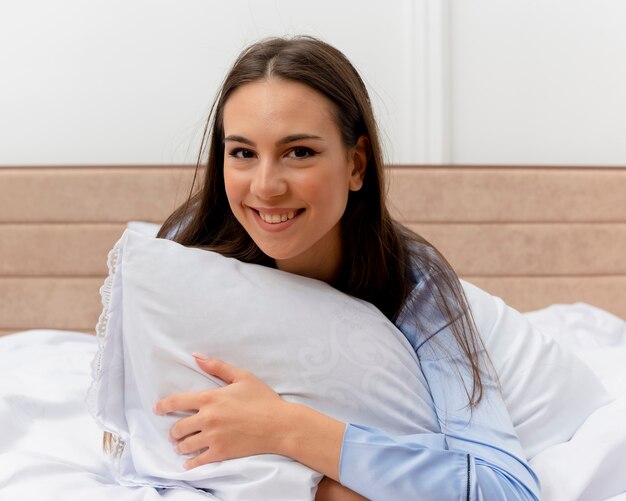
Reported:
(194, 401)
(219, 368)
(185, 427)
(192, 444)
(180, 402)
(202, 458)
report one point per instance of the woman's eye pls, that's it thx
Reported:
(302, 152)
(242, 153)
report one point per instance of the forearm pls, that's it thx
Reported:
(311, 438)
(382, 466)
(329, 490)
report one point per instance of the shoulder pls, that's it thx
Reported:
(438, 299)
(423, 313)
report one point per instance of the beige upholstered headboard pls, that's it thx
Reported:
(534, 236)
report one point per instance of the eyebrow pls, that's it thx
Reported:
(285, 140)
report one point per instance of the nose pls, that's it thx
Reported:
(268, 180)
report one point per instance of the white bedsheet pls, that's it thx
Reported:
(592, 465)
(50, 449)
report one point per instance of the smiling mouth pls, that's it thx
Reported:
(279, 218)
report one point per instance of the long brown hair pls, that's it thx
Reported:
(379, 256)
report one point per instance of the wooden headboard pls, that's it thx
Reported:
(534, 236)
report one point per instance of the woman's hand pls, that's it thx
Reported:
(246, 417)
(329, 490)
(240, 419)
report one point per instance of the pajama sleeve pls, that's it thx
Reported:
(475, 456)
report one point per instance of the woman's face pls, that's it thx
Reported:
(287, 173)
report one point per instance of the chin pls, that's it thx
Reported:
(276, 256)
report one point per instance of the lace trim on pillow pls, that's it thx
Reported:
(112, 443)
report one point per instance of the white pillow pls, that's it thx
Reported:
(335, 353)
(308, 341)
(144, 227)
(548, 391)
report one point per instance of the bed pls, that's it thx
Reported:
(550, 241)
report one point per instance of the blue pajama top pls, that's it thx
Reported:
(475, 456)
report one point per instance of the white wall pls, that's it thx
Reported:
(538, 82)
(131, 81)
(463, 81)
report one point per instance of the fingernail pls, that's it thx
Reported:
(201, 356)
(154, 409)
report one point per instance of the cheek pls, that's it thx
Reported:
(332, 192)
(234, 187)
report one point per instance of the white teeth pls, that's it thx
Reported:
(277, 218)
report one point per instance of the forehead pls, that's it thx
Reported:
(278, 104)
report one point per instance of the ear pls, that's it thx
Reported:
(360, 155)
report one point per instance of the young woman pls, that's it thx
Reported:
(294, 180)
